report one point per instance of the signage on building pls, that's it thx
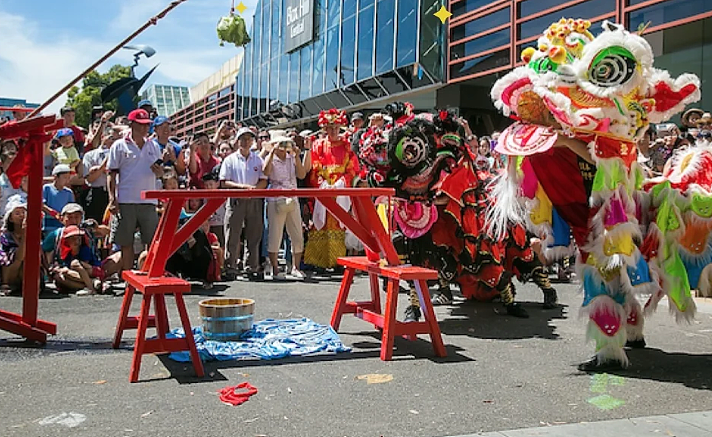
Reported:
(300, 24)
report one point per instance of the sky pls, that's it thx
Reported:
(46, 43)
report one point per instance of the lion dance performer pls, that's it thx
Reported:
(441, 198)
(583, 102)
(333, 165)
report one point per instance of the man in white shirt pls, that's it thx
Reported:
(243, 170)
(134, 164)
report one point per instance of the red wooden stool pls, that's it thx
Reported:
(370, 311)
(155, 288)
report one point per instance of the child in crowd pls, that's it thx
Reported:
(170, 182)
(78, 262)
(214, 273)
(55, 196)
(67, 154)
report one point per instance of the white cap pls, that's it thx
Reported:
(245, 130)
(60, 168)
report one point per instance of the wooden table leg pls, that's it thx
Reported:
(123, 316)
(185, 321)
(389, 321)
(436, 338)
(343, 296)
(140, 338)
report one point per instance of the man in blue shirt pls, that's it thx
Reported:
(56, 196)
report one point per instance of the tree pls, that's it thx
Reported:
(85, 98)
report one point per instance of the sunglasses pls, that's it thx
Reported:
(263, 137)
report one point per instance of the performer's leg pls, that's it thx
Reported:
(444, 294)
(634, 324)
(507, 295)
(412, 312)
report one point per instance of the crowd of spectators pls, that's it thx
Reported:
(96, 223)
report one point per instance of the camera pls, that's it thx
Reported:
(88, 224)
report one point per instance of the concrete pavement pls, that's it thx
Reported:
(502, 373)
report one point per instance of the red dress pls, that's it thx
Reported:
(332, 162)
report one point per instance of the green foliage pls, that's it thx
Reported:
(89, 95)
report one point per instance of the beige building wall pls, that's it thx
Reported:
(219, 80)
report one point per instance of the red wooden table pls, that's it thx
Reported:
(29, 162)
(362, 221)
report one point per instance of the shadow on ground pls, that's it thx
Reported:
(477, 319)
(690, 370)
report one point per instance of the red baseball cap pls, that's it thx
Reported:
(140, 116)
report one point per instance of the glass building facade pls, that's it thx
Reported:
(342, 66)
(487, 37)
(167, 99)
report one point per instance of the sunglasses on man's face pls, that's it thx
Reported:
(265, 138)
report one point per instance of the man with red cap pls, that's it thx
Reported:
(134, 164)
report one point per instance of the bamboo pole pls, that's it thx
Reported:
(128, 39)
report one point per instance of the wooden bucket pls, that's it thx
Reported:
(226, 319)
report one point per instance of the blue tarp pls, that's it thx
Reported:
(267, 340)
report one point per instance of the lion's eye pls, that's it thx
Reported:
(613, 66)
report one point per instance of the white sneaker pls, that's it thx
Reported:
(279, 277)
(297, 274)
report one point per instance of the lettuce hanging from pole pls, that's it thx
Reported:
(232, 29)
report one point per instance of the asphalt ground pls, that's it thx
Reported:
(501, 373)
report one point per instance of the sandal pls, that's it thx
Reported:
(441, 299)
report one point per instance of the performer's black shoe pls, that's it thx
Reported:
(551, 300)
(517, 310)
(635, 344)
(412, 314)
(593, 365)
(443, 297)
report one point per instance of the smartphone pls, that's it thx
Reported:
(159, 162)
(666, 129)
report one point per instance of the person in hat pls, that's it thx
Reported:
(134, 165)
(172, 151)
(12, 245)
(333, 165)
(357, 121)
(243, 171)
(69, 115)
(201, 160)
(147, 106)
(377, 120)
(18, 114)
(78, 267)
(55, 196)
(283, 167)
(67, 153)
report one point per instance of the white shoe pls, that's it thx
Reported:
(297, 274)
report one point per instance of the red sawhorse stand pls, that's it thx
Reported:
(364, 223)
(29, 161)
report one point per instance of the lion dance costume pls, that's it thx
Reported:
(441, 200)
(601, 93)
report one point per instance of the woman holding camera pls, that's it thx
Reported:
(283, 167)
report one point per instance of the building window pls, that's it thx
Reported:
(333, 11)
(686, 49)
(666, 12)
(480, 44)
(365, 41)
(589, 9)
(495, 19)
(305, 88)
(294, 76)
(332, 57)
(276, 28)
(385, 16)
(264, 86)
(466, 6)
(432, 39)
(264, 55)
(348, 48)
(480, 64)
(284, 79)
(530, 7)
(274, 79)
(318, 70)
(406, 42)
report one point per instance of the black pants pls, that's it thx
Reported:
(97, 199)
(192, 262)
